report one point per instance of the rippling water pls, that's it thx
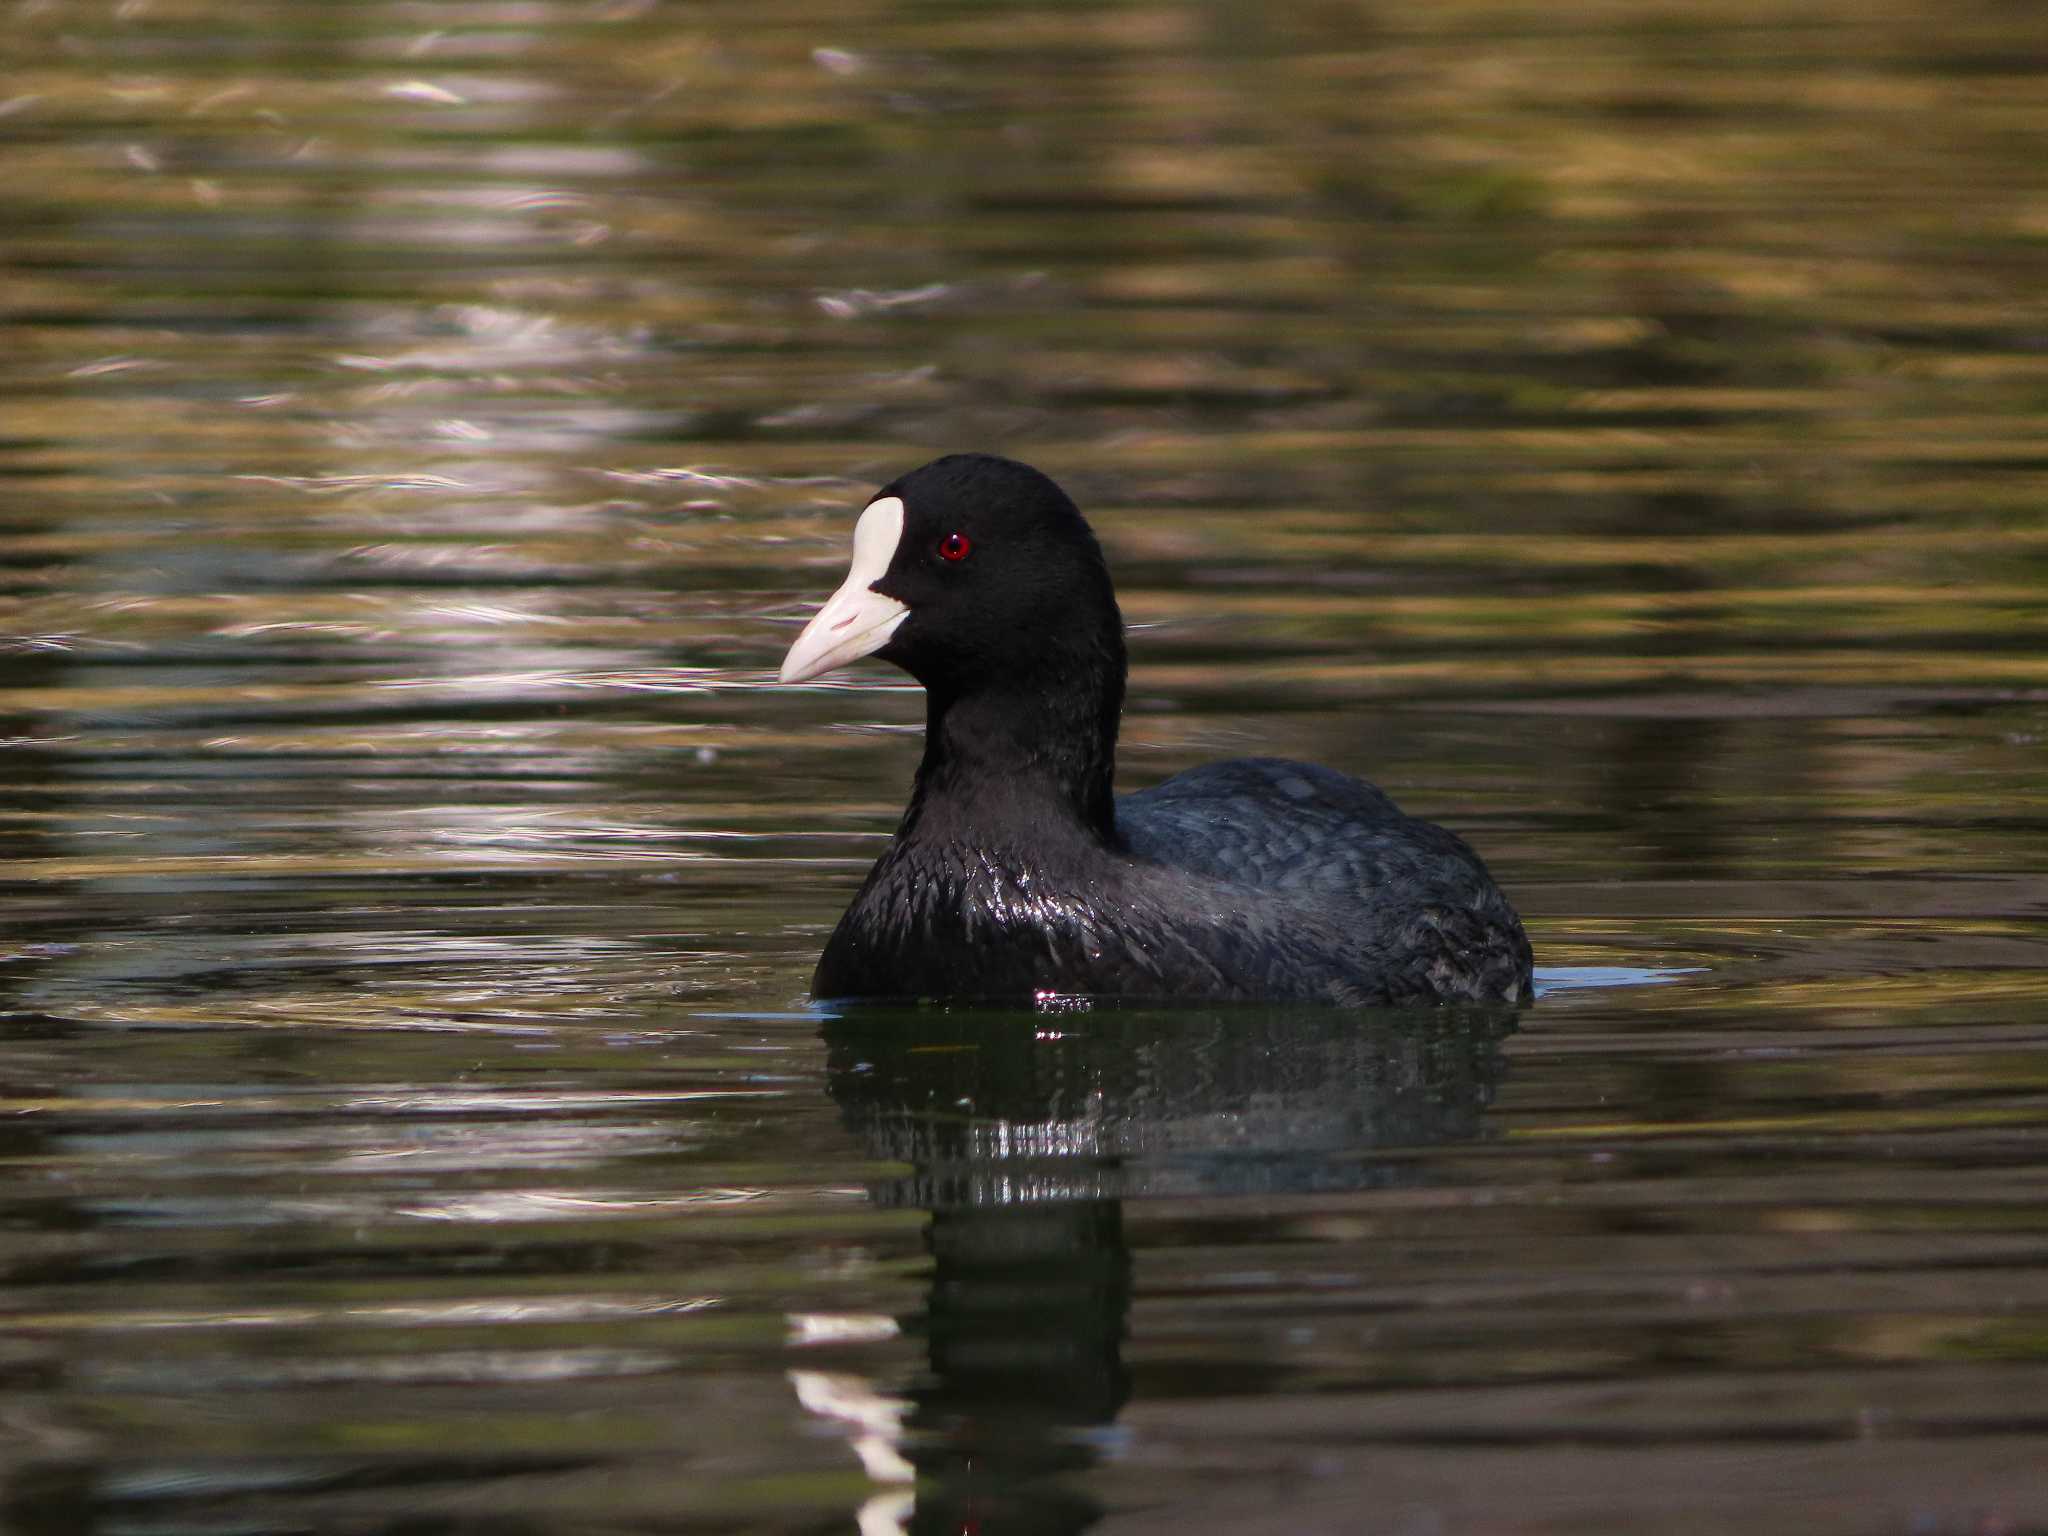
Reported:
(1615, 429)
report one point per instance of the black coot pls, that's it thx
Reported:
(1017, 875)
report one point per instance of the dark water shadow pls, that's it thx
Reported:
(1026, 1135)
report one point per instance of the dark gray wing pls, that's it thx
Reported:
(1411, 895)
(1298, 828)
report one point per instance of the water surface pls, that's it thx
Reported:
(1616, 431)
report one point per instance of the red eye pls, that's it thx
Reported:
(955, 546)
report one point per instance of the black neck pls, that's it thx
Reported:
(1031, 757)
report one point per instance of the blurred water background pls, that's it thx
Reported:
(1616, 428)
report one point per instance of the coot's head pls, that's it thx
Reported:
(973, 573)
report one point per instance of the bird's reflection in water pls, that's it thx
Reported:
(1025, 1134)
